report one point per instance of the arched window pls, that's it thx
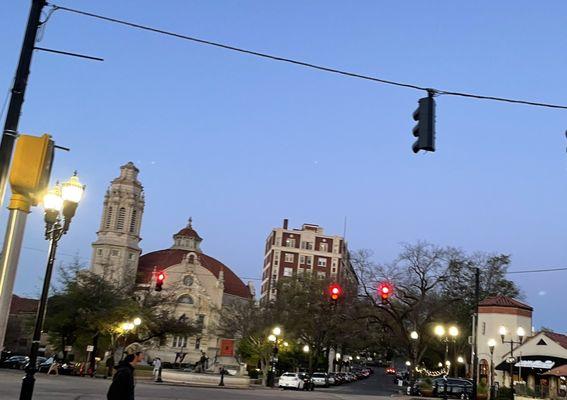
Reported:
(108, 218)
(120, 219)
(185, 299)
(133, 221)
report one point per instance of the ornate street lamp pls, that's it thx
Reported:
(60, 204)
(521, 333)
(444, 334)
(273, 338)
(306, 348)
(491, 345)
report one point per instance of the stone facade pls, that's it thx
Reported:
(198, 284)
(116, 250)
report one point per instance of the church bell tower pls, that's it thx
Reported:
(116, 250)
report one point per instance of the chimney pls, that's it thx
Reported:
(285, 223)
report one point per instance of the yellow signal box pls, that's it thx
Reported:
(30, 171)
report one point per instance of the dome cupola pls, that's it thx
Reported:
(187, 239)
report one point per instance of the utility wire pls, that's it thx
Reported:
(528, 271)
(303, 63)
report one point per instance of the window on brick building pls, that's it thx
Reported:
(288, 271)
(290, 242)
(321, 275)
(323, 247)
(322, 262)
(288, 257)
(307, 245)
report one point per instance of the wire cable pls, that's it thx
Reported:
(528, 271)
(303, 63)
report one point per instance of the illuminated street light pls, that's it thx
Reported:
(272, 338)
(306, 348)
(460, 360)
(277, 331)
(439, 330)
(137, 321)
(414, 335)
(408, 363)
(453, 331)
(440, 364)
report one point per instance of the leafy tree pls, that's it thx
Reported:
(86, 306)
(432, 284)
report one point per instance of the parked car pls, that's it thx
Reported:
(15, 362)
(452, 387)
(320, 379)
(391, 371)
(296, 380)
(38, 362)
(336, 378)
(331, 379)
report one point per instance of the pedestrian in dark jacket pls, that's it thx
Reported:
(122, 387)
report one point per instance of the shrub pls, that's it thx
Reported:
(504, 393)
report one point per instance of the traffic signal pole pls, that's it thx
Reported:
(10, 131)
(9, 265)
(18, 213)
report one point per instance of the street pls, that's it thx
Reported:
(67, 388)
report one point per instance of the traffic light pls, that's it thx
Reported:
(31, 168)
(335, 291)
(160, 277)
(424, 131)
(385, 290)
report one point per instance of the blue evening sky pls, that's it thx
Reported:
(240, 143)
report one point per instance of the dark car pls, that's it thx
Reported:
(452, 387)
(38, 362)
(15, 362)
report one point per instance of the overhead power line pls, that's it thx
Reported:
(303, 63)
(530, 271)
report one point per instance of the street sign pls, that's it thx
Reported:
(68, 348)
(90, 347)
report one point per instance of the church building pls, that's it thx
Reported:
(199, 284)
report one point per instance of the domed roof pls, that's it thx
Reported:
(188, 231)
(166, 258)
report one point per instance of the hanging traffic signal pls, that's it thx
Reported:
(385, 290)
(424, 131)
(160, 277)
(335, 291)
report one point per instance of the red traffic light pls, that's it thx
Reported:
(335, 291)
(160, 277)
(385, 290)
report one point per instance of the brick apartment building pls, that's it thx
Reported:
(306, 250)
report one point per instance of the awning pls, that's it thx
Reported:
(559, 371)
(548, 364)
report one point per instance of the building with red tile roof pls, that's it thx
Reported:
(196, 286)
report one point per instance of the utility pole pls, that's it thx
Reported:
(17, 95)
(18, 211)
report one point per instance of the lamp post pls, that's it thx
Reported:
(60, 204)
(445, 335)
(491, 345)
(521, 333)
(273, 337)
(414, 336)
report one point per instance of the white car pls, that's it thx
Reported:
(291, 380)
(320, 379)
